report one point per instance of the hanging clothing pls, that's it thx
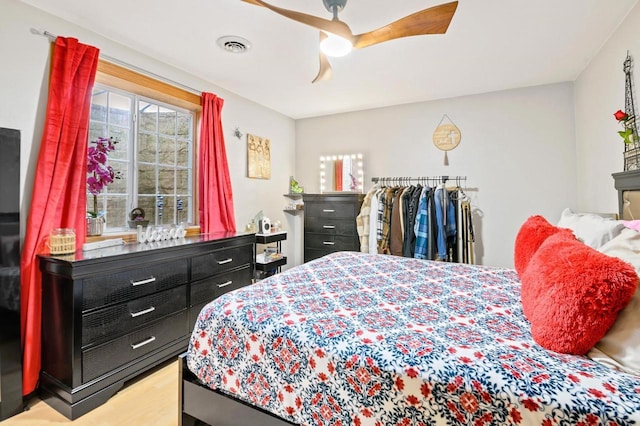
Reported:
(362, 220)
(421, 226)
(469, 233)
(380, 218)
(373, 222)
(416, 221)
(411, 200)
(395, 235)
(445, 220)
(386, 204)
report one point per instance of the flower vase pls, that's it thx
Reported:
(95, 226)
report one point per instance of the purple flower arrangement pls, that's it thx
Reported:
(99, 173)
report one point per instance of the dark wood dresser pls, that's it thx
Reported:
(628, 185)
(330, 223)
(110, 314)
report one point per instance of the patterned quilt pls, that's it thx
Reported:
(360, 339)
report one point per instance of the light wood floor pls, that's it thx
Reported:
(151, 399)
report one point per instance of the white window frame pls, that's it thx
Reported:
(127, 82)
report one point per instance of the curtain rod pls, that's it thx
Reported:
(113, 60)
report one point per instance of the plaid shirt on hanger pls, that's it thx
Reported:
(421, 227)
(387, 206)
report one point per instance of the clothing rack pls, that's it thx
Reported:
(438, 215)
(425, 180)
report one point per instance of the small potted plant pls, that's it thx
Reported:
(99, 175)
(136, 217)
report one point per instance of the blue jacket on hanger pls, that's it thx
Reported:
(445, 220)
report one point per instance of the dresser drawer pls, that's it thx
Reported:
(332, 227)
(106, 357)
(219, 261)
(104, 289)
(209, 288)
(311, 254)
(331, 210)
(331, 242)
(204, 291)
(116, 320)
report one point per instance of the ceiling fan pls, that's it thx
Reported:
(336, 38)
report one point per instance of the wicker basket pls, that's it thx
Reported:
(62, 241)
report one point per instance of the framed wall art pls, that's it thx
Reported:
(258, 157)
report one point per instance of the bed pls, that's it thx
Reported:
(377, 340)
(359, 339)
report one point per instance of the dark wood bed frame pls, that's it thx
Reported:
(201, 405)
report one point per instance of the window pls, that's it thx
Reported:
(153, 156)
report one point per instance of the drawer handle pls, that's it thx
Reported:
(328, 243)
(144, 312)
(145, 342)
(329, 227)
(328, 211)
(222, 262)
(142, 282)
(225, 284)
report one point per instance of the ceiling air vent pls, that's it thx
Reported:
(234, 44)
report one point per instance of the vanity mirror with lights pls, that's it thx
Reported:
(342, 173)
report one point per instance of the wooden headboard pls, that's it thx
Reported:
(628, 186)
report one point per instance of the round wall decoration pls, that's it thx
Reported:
(447, 135)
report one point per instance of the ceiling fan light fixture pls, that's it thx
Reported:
(335, 46)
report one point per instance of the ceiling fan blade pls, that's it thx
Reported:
(434, 20)
(325, 72)
(335, 26)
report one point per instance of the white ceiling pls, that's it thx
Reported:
(490, 45)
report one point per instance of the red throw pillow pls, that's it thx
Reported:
(573, 294)
(533, 232)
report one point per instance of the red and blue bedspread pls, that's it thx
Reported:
(359, 339)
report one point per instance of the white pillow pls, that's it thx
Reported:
(592, 229)
(620, 347)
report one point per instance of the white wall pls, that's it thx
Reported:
(599, 92)
(23, 85)
(517, 151)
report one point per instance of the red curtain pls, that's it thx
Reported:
(59, 189)
(337, 175)
(214, 184)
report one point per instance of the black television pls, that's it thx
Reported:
(10, 352)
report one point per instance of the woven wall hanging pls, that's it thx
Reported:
(446, 136)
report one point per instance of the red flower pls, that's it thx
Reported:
(412, 373)
(621, 115)
(515, 415)
(425, 390)
(411, 399)
(530, 404)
